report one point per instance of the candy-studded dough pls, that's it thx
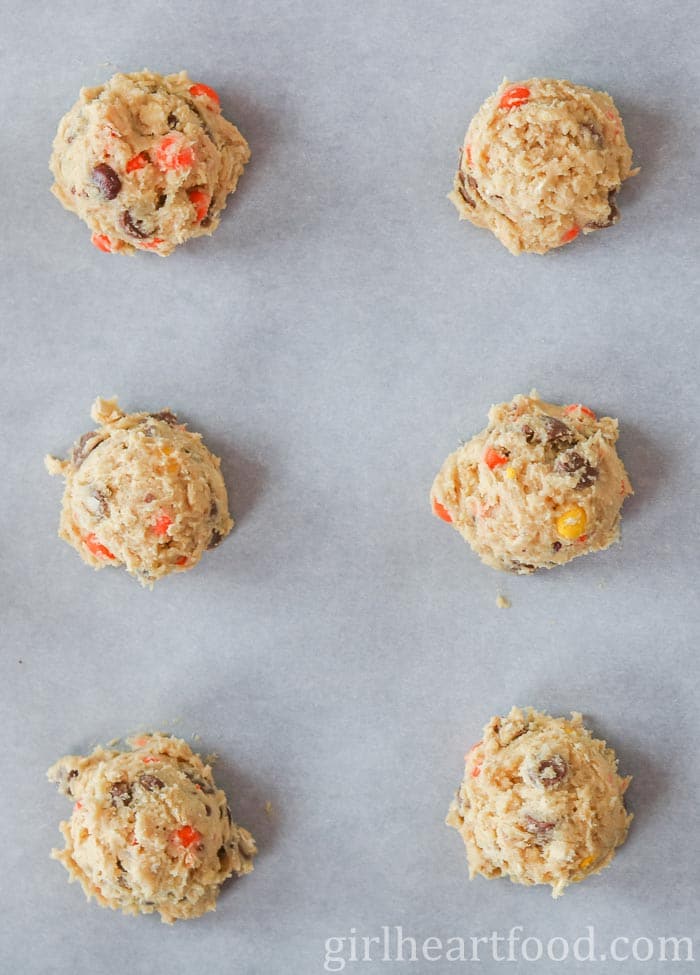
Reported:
(542, 161)
(539, 486)
(143, 492)
(541, 801)
(147, 161)
(150, 830)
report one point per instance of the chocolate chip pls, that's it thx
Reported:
(221, 853)
(462, 192)
(207, 222)
(161, 201)
(467, 199)
(205, 786)
(551, 772)
(572, 462)
(595, 132)
(528, 432)
(101, 504)
(107, 181)
(589, 475)
(556, 430)
(569, 462)
(151, 782)
(556, 546)
(207, 809)
(613, 214)
(83, 447)
(120, 793)
(167, 417)
(215, 540)
(213, 508)
(538, 827)
(172, 120)
(133, 227)
(73, 774)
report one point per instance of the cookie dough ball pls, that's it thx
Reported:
(541, 801)
(539, 486)
(541, 163)
(147, 161)
(149, 831)
(143, 492)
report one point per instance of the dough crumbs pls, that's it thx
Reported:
(539, 486)
(541, 801)
(147, 161)
(150, 830)
(503, 602)
(143, 492)
(542, 163)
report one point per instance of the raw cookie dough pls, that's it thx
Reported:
(149, 831)
(541, 801)
(147, 161)
(541, 162)
(539, 486)
(143, 492)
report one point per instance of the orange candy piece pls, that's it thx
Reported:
(151, 245)
(137, 162)
(512, 97)
(200, 201)
(199, 89)
(173, 152)
(441, 511)
(96, 547)
(162, 523)
(102, 243)
(186, 836)
(570, 235)
(492, 458)
(578, 408)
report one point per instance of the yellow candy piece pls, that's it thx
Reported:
(585, 863)
(572, 523)
(510, 473)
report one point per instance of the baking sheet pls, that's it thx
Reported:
(333, 342)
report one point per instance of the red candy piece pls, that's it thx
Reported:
(570, 235)
(200, 201)
(151, 245)
(493, 459)
(96, 547)
(102, 243)
(512, 97)
(186, 836)
(200, 89)
(137, 162)
(172, 152)
(149, 759)
(577, 407)
(181, 561)
(162, 523)
(441, 511)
